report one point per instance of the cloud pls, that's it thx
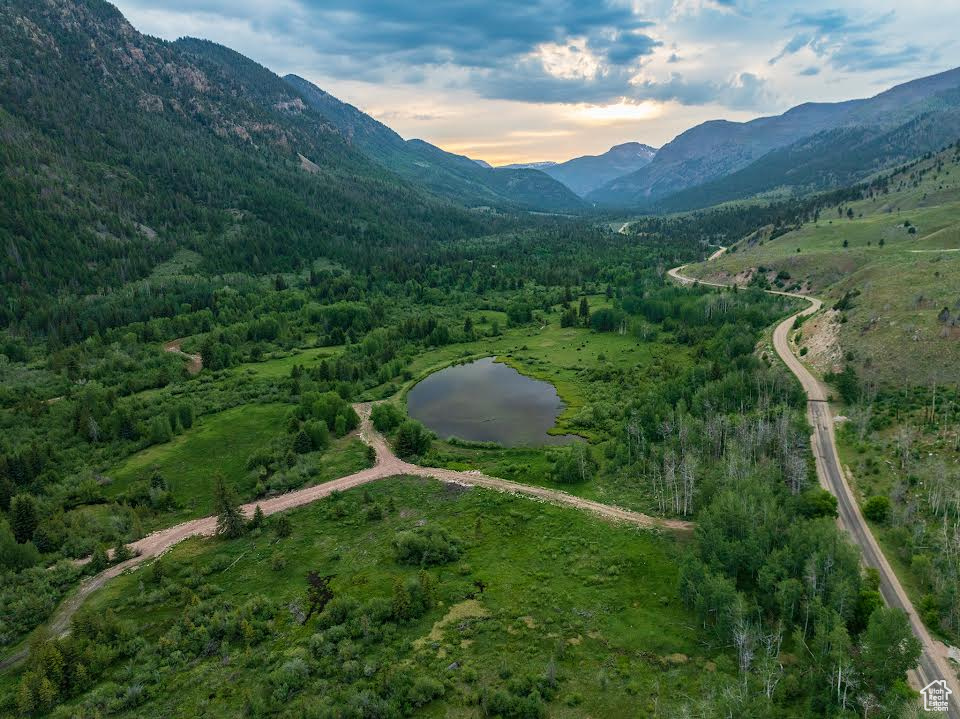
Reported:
(539, 51)
(847, 44)
(736, 57)
(742, 92)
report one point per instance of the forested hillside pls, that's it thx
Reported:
(120, 149)
(452, 176)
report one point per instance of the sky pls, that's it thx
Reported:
(531, 80)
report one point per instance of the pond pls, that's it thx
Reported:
(487, 401)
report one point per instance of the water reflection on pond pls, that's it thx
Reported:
(486, 401)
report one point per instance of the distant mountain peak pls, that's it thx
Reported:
(583, 174)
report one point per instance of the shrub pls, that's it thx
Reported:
(607, 320)
(817, 503)
(877, 508)
(386, 416)
(412, 439)
(282, 526)
(425, 690)
(318, 433)
(302, 443)
(573, 464)
(425, 546)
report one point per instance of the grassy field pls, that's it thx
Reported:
(537, 590)
(899, 251)
(221, 443)
(280, 367)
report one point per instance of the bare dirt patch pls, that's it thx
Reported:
(194, 362)
(820, 335)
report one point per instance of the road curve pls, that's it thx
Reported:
(933, 663)
(387, 465)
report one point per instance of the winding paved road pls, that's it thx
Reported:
(387, 465)
(933, 659)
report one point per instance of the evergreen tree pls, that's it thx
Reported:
(282, 526)
(230, 521)
(302, 443)
(23, 517)
(584, 309)
(319, 593)
(412, 439)
(401, 603)
(258, 519)
(121, 552)
(185, 415)
(99, 560)
(160, 431)
(157, 480)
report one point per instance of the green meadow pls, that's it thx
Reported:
(536, 591)
(222, 442)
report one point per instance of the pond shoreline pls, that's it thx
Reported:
(483, 400)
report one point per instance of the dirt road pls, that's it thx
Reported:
(194, 362)
(387, 465)
(933, 659)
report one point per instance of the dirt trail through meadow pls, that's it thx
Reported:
(387, 465)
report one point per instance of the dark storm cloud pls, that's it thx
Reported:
(488, 46)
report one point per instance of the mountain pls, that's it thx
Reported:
(442, 173)
(584, 174)
(529, 165)
(719, 148)
(120, 149)
(587, 173)
(833, 158)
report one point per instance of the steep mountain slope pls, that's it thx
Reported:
(718, 148)
(174, 148)
(448, 175)
(828, 159)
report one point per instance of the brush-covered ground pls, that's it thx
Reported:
(521, 609)
(223, 443)
(589, 369)
(888, 342)
(894, 255)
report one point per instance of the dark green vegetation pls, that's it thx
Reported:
(205, 200)
(901, 446)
